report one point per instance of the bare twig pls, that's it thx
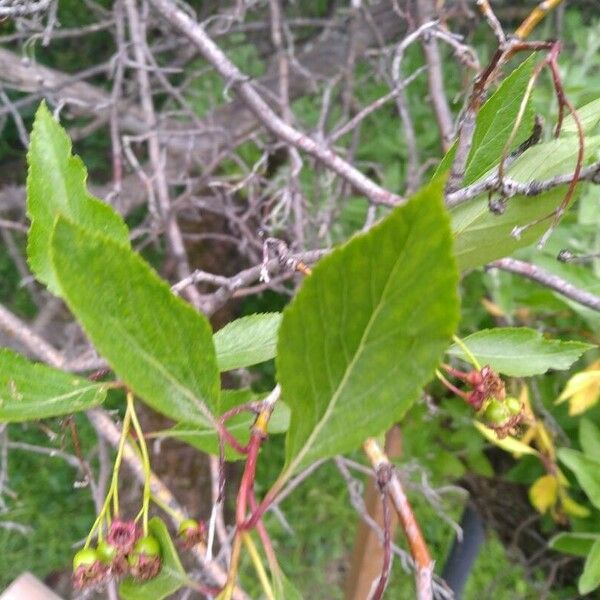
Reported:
(492, 19)
(507, 188)
(70, 459)
(549, 280)
(174, 237)
(534, 18)
(241, 84)
(35, 344)
(416, 542)
(435, 75)
(383, 476)
(22, 8)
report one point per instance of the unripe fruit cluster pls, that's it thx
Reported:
(123, 552)
(502, 415)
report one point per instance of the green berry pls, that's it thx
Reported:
(514, 406)
(496, 413)
(187, 525)
(85, 558)
(146, 546)
(106, 552)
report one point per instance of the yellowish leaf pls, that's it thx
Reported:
(524, 400)
(508, 443)
(543, 494)
(492, 308)
(564, 482)
(582, 390)
(544, 441)
(572, 508)
(528, 436)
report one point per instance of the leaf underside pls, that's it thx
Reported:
(56, 185)
(155, 342)
(30, 391)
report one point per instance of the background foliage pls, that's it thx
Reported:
(315, 555)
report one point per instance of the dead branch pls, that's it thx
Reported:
(437, 92)
(263, 112)
(412, 531)
(549, 280)
(508, 188)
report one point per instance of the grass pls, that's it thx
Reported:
(46, 500)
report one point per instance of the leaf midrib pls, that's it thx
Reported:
(189, 394)
(349, 369)
(49, 401)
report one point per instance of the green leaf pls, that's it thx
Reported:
(171, 577)
(587, 472)
(366, 330)
(30, 391)
(494, 124)
(482, 236)
(247, 341)
(578, 544)
(56, 185)
(207, 440)
(155, 342)
(589, 438)
(496, 120)
(556, 157)
(590, 578)
(589, 115)
(519, 351)
(480, 464)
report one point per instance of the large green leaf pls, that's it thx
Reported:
(30, 391)
(206, 438)
(520, 352)
(482, 236)
(587, 472)
(172, 575)
(589, 438)
(56, 185)
(578, 544)
(155, 342)
(247, 341)
(590, 578)
(556, 157)
(494, 124)
(366, 330)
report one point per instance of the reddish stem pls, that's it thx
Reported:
(247, 483)
(563, 101)
(462, 375)
(260, 510)
(453, 388)
(262, 532)
(224, 432)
